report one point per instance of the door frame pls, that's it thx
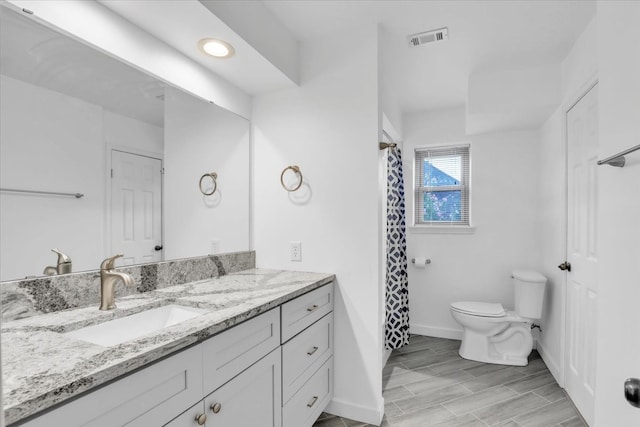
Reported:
(107, 195)
(580, 93)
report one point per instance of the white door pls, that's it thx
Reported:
(136, 207)
(582, 253)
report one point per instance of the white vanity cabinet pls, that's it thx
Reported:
(274, 370)
(307, 357)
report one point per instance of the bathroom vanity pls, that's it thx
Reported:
(257, 352)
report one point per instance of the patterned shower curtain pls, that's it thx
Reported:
(397, 292)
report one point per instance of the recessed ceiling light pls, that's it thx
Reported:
(216, 48)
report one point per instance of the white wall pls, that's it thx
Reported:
(329, 127)
(476, 266)
(50, 142)
(512, 99)
(578, 73)
(54, 142)
(619, 209)
(202, 138)
(123, 131)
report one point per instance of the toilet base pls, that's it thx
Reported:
(510, 347)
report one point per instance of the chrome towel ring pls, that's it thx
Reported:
(296, 170)
(214, 177)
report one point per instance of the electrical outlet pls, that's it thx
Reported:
(296, 251)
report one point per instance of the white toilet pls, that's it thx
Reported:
(492, 334)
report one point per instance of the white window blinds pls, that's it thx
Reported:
(442, 185)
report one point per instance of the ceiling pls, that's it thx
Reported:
(484, 35)
(182, 23)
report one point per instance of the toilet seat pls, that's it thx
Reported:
(480, 309)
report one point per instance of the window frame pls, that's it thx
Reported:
(462, 226)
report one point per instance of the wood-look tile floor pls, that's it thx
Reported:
(427, 383)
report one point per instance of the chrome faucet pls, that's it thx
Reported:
(108, 280)
(63, 266)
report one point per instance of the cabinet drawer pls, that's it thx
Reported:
(305, 407)
(229, 353)
(148, 397)
(304, 354)
(306, 309)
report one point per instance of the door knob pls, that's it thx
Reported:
(632, 391)
(158, 247)
(565, 266)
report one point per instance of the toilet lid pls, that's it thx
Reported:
(486, 309)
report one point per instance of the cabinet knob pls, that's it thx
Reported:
(215, 407)
(201, 419)
(313, 350)
(313, 307)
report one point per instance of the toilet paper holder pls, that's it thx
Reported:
(413, 260)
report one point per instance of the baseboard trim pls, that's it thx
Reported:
(353, 411)
(433, 331)
(551, 364)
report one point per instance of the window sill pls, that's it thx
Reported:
(442, 229)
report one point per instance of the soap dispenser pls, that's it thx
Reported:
(63, 267)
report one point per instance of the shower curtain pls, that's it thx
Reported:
(397, 293)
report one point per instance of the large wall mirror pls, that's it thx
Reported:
(74, 120)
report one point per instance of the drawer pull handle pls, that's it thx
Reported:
(313, 402)
(309, 353)
(313, 307)
(201, 419)
(215, 407)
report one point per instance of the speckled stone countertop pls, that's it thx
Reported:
(41, 367)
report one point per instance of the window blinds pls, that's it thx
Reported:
(442, 185)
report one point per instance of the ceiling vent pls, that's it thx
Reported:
(438, 35)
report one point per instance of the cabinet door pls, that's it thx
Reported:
(192, 417)
(253, 398)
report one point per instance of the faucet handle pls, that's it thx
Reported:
(62, 258)
(107, 264)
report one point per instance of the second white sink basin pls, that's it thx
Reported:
(131, 327)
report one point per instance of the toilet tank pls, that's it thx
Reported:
(529, 293)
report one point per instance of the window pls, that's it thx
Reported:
(442, 185)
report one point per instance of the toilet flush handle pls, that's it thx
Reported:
(565, 266)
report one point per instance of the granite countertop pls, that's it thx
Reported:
(41, 367)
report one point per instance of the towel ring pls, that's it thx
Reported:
(213, 177)
(295, 169)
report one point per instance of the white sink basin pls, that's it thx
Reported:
(131, 327)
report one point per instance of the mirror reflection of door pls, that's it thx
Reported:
(136, 207)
